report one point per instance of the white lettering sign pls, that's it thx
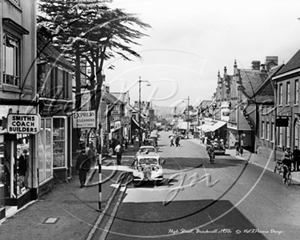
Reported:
(23, 124)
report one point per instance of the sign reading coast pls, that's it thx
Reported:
(23, 123)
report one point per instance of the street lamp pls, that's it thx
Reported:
(188, 116)
(140, 111)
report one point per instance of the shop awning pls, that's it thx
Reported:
(211, 128)
(137, 124)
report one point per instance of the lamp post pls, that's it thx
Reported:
(140, 111)
(188, 116)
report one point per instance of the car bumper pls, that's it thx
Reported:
(141, 176)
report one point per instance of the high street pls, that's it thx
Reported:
(230, 199)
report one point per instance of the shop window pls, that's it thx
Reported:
(44, 150)
(268, 131)
(280, 137)
(59, 142)
(11, 60)
(297, 133)
(262, 130)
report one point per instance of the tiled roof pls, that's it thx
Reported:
(292, 64)
(251, 80)
(47, 51)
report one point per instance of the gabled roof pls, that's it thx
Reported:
(108, 97)
(266, 92)
(121, 96)
(251, 80)
(292, 64)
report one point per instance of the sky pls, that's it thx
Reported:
(191, 40)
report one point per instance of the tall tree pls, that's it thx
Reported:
(91, 31)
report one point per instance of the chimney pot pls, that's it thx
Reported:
(255, 65)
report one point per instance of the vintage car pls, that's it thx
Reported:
(146, 148)
(147, 167)
(219, 147)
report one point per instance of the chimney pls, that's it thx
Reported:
(263, 68)
(271, 61)
(255, 65)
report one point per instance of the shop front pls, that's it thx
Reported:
(18, 176)
(54, 145)
(213, 129)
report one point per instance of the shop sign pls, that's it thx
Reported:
(84, 119)
(117, 125)
(282, 122)
(23, 123)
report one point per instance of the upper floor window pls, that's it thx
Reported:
(11, 60)
(296, 91)
(280, 94)
(288, 92)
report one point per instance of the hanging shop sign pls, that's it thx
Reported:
(23, 123)
(84, 119)
(282, 121)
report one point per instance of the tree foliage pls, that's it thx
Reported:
(90, 31)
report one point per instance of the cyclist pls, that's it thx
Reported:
(287, 164)
(211, 151)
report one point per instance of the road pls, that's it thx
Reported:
(230, 199)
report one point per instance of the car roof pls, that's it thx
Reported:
(147, 146)
(147, 155)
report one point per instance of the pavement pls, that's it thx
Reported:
(256, 159)
(67, 211)
(71, 212)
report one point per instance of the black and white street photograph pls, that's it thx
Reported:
(149, 119)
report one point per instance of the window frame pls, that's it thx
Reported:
(13, 40)
(296, 92)
(288, 93)
(280, 94)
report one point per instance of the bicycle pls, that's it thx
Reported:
(212, 157)
(278, 166)
(287, 175)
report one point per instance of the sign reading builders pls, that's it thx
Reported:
(23, 124)
(84, 119)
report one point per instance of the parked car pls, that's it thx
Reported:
(150, 141)
(147, 167)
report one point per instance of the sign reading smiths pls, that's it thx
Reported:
(23, 124)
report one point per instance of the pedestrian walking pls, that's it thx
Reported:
(91, 155)
(177, 140)
(296, 156)
(237, 149)
(23, 167)
(119, 151)
(241, 151)
(171, 140)
(82, 166)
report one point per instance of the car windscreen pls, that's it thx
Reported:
(147, 149)
(148, 161)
